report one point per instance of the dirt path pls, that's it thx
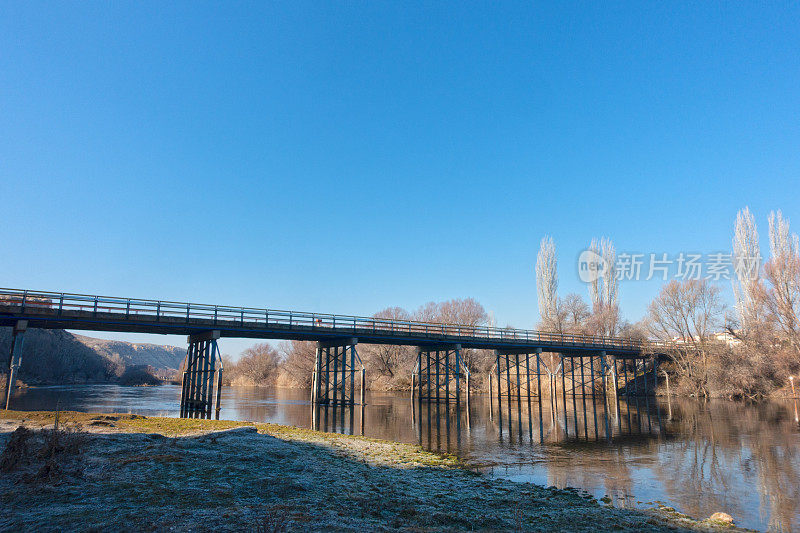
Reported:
(147, 473)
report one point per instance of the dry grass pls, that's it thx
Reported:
(272, 521)
(53, 453)
(411, 455)
(16, 450)
(162, 458)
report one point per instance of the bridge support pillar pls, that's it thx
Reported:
(335, 369)
(438, 374)
(513, 370)
(15, 358)
(584, 372)
(583, 378)
(203, 365)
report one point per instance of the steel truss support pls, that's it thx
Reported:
(608, 371)
(15, 358)
(203, 364)
(513, 370)
(583, 379)
(582, 372)
(334, 378)
(438, 373)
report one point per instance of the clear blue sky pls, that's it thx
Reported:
(348, 156)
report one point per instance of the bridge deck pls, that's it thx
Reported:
(52, 310)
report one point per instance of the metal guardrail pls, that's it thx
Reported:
(156, 310)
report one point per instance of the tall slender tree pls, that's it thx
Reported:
(595, 292)
(783, 273)
(747, 287)
(604, 290)
(547, 283)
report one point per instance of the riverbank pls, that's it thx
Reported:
(132, 472)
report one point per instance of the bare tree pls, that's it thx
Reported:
(299, 358)
(687, 313)
(428, 312)
(747, 287)
(634, 331)
(258, 365)
(576, 313)
(595, 292)
(610, 288)
(605, 321)
(389, 360)
(783, 273)
(547, 284)
(767, 312)
(228, 366)
(466, 312)
(604, 291)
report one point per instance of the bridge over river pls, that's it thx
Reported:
(437, 377)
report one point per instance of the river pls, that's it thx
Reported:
(697, 457)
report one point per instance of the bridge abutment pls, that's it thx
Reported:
(15, 358)
(334, 378)
(203, 365)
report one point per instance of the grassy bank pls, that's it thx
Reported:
(133, 472)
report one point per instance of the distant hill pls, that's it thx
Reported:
(57, 356)
(160, 357)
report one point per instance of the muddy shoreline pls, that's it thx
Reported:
(129, 472)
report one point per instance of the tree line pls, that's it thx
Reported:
(748, 353)
(389, 367)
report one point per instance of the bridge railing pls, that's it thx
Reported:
(160, 310)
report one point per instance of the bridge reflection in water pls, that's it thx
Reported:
(441, 427)
(550, 398)
(449, 427)
(334, 418)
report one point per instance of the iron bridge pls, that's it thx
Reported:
(436, 378)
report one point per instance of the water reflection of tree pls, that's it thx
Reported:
(598, 458)
(709, 457)
(575, 455)
(725, 452)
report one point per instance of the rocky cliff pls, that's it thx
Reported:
(57, 356)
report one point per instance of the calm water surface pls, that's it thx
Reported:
(697, 457)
